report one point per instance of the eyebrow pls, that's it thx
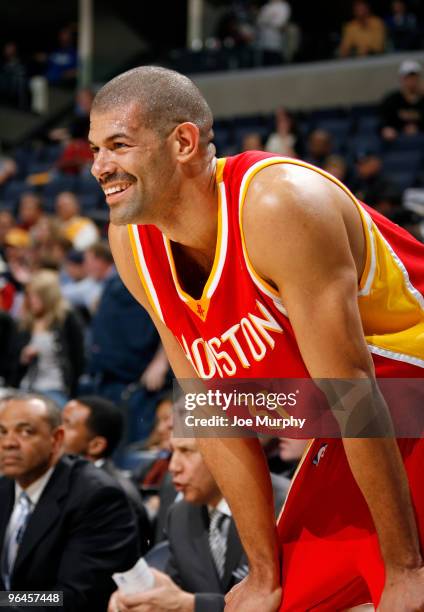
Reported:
(19, 424)
(112, 137)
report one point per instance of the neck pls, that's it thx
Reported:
(191, 219)
(27, 480)
(215, 499)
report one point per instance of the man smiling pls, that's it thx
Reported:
(216, 243)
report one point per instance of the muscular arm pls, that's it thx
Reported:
(238, 465)
(298, 238)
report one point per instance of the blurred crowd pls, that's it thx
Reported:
(275, 32)
(68, 325)
(247, 33)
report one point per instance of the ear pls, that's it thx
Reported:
(58, 437)
(97, 446)
(186, 141)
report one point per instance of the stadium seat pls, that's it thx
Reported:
(405, 142)
(403, 179)
(402, 161)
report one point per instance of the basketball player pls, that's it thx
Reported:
(263, 266)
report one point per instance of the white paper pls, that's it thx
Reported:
(136, 580)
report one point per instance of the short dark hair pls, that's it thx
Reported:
(101, 250)
(53, 412)
(166, 98)
(105, 419)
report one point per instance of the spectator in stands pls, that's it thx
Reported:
(285, 140)
(8, 169)
(271, 22)
(7, 344)
(76, 157)
(337, 166)
(234, 28)
(99, 263)
(64, 525)
(318, 147)
(153, 474)
(365, 34)
(402, 27)
(291, 451)
(50, 342)
(369, 184)
(125, 354)
(402, 111)
(81, 231)
(206, 557)
(80, 289)
(79, 123)
(62, 62)
(49, 247)
(93, 429)
(18, 259)
(160, 438)
(13, 82)
(252, 142)
(6, 223)
(30, 210)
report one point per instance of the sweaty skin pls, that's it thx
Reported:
(312, 216)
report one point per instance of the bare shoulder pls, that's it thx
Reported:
(292, 211)
(284, 190)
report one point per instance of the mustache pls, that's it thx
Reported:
(117, 177)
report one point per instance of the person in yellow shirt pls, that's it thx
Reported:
(365, 34)
(81, 231)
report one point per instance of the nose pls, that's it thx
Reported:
(174, 464)
(102, 164)
(8, 440)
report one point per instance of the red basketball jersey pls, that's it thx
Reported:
(239, 327)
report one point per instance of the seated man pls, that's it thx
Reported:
(206, 556)
(64, 525)
(93, 428)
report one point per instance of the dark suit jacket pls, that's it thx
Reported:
(143, 522)
(191, 564)
(81, 531)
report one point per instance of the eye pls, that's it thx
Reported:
(26, 432)
(119, 145)
(94, 150)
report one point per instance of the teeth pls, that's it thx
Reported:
(116, 189)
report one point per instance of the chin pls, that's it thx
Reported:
(124, 216)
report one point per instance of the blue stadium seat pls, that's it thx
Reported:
(402, 161)
(364, 142)
(36, 167)
(404, 142)
(13, 190)
(403, 179)
(368, 124)
(339, 128)
(89, 191)
(58, 184)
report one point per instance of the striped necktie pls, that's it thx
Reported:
(218, 532)
(15, 532)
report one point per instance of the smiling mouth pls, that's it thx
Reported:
(115, 191)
